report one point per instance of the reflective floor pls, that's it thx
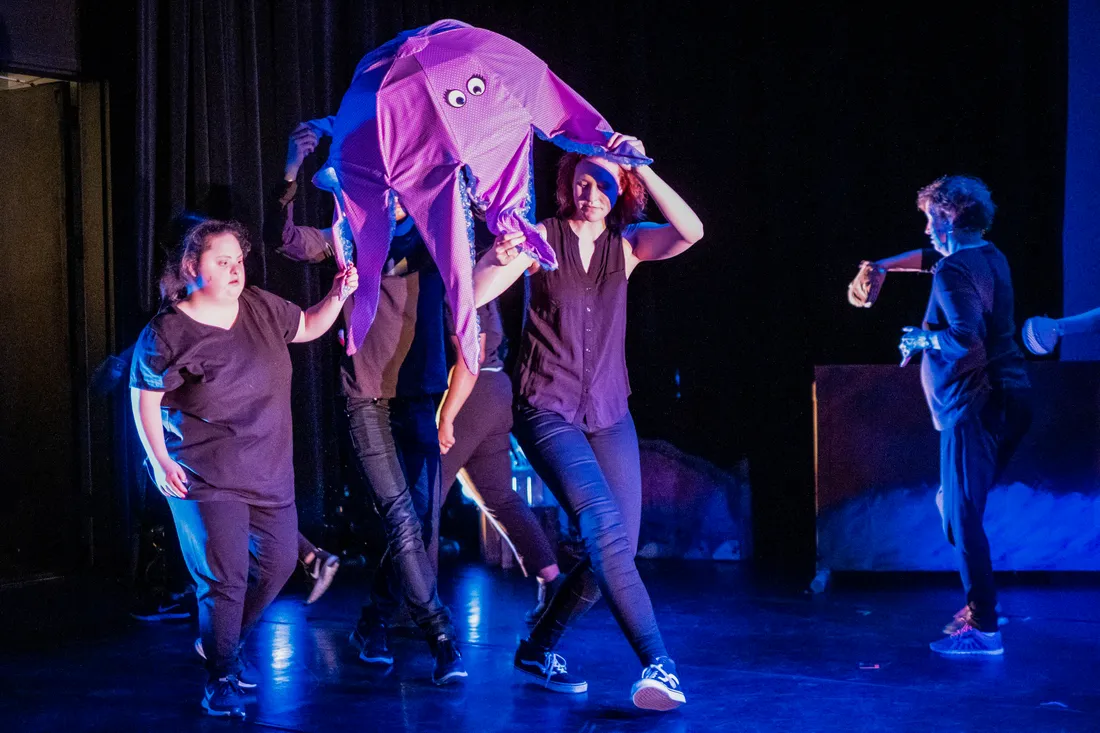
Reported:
(753, 656)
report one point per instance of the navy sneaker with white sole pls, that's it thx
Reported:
(370, 639)
(659, 688)
(548, 669)
(448, 662)
(247, 677)
(223, 698)
(970, 642)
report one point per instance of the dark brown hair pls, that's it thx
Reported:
(964, 201)
(186, 254)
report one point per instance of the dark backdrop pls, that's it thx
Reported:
(799, 135)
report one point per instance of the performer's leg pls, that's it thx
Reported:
(214, 537)
(274, 550)
(566, 459)
(380, 461)
(486, 454)
(414, 430)
(968, 468)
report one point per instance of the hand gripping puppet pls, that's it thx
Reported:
(443, 117)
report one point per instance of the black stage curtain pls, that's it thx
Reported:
(799, 134)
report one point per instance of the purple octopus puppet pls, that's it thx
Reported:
(443, 117)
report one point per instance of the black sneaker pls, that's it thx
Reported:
(223, 698)
(370, 639)
(247, 677)
(166, 607)
(547, 669)
(448, 662)
(546, 594)
(659, 687)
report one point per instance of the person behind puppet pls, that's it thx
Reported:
(481, 450)
(391, 384)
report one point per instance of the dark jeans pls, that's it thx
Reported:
(240, 557)
(483, 447)
(973, 454)
(596, 476)
(391, 439)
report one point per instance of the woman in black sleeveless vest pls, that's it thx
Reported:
(572, 417)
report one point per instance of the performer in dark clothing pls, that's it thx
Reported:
(210, 385)
(976, 384)
(391, 384)
(482, 449)
(572, 416)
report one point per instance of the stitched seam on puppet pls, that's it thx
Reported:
(464, 194)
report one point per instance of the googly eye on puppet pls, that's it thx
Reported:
(392, 136)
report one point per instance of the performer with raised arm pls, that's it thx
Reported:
(210, 385)
(572, 417)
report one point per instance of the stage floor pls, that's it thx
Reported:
(752, 655)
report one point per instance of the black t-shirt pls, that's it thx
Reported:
(226, 407)
(971, 310)
(403, 353)
(496, 344)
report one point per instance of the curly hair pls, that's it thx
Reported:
(186, 255)
(964, 201)
(628, 209)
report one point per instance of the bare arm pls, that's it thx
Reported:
(650, 241)
(663, 241)
(864, 289)
(316, 321)
(501, 266)
(170, 478)
(1088, 322)
(916, 260)
(461, 384)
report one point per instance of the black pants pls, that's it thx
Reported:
(973, 454)
(597, 477)
(240, 557)
(391, 439)
(483, 447)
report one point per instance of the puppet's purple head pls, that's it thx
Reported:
(444, 117)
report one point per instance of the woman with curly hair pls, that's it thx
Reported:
(210, 386)
(572, 417)
(975, 382)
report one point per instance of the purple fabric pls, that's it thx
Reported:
(403, 353)
(572, 357)
(440, 116)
